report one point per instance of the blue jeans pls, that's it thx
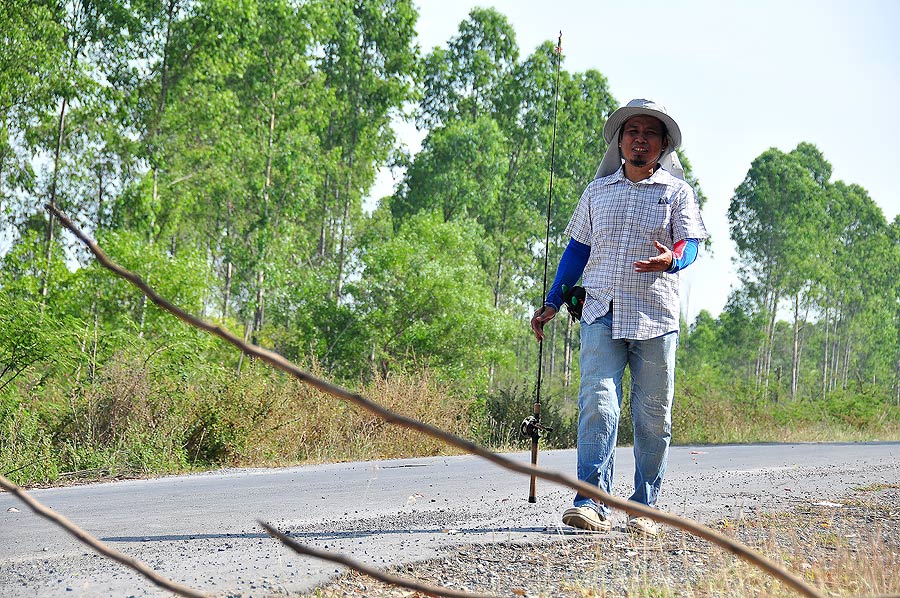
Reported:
(652, 365)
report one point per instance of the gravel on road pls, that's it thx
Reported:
(846, 547)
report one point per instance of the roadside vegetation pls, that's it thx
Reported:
(160, 410)
(226, 152)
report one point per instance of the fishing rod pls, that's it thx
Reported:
(532, 425)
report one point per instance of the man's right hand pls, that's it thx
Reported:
(541, 317)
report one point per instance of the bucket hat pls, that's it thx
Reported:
(612, 159)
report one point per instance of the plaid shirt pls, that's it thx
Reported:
(620, 220)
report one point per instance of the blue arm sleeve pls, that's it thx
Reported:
(687, 257)
(571, 266)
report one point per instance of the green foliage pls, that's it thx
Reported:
(27, 451)
(458, 173)
(497, 416)
(30, 341)
(824, 247)
(180, 278)
(430, 302)
(775, 217)
(32, 40)
(223, 150)
(464, 80)
(861, 410)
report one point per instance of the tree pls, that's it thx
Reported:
(464, 80)
(369, 64)
(457, 174)
(859, 325)
(31, 46)
(231, 158)
(429, 302)
(775, 218)
(93, 35)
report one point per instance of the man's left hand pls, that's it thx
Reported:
(660, 263)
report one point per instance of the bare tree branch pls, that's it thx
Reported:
(729, 544)
(97, 545)
(336, 557)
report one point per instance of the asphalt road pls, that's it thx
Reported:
(201, 530)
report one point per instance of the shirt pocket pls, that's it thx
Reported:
(660, 220)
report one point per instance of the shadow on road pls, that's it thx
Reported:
(351, 535)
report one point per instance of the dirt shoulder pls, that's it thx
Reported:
(845, 547)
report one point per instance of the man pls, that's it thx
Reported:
(636, 225)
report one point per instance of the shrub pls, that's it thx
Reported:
(26, 449)
(497, 417)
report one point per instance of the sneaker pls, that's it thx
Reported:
(586, 518)
(643, 526)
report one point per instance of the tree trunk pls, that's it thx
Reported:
(518, 353)
(95, 341)
(270, 145)
(142, 316)
(499, 273)
(757, 368)
(795, 353)
(45, 284)
(161, 101)
(825, 356)
(835, 355)
(321, 248)
(552, 352)
(339, 283)
(99, 196)
(328, 144)
(835, 350)
(240, 363)
(770, 340)
(153, 204)
(846, 375)
(84, 341)
(229, 271)
(164, 71)
(259, 312)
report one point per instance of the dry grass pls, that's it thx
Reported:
(134, 420)
(850, 550)
(295, 423)
(724, 421)
(146, 413)
(847, 550)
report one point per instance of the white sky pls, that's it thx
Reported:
(739, 77)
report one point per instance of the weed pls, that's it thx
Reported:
(877, 486)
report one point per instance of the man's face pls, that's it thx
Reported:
(643, 140)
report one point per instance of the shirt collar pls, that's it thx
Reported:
(661, 175)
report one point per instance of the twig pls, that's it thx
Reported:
(634, 508)
(94, 470)
(21, 467)
(336, 557)
(97, 545)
